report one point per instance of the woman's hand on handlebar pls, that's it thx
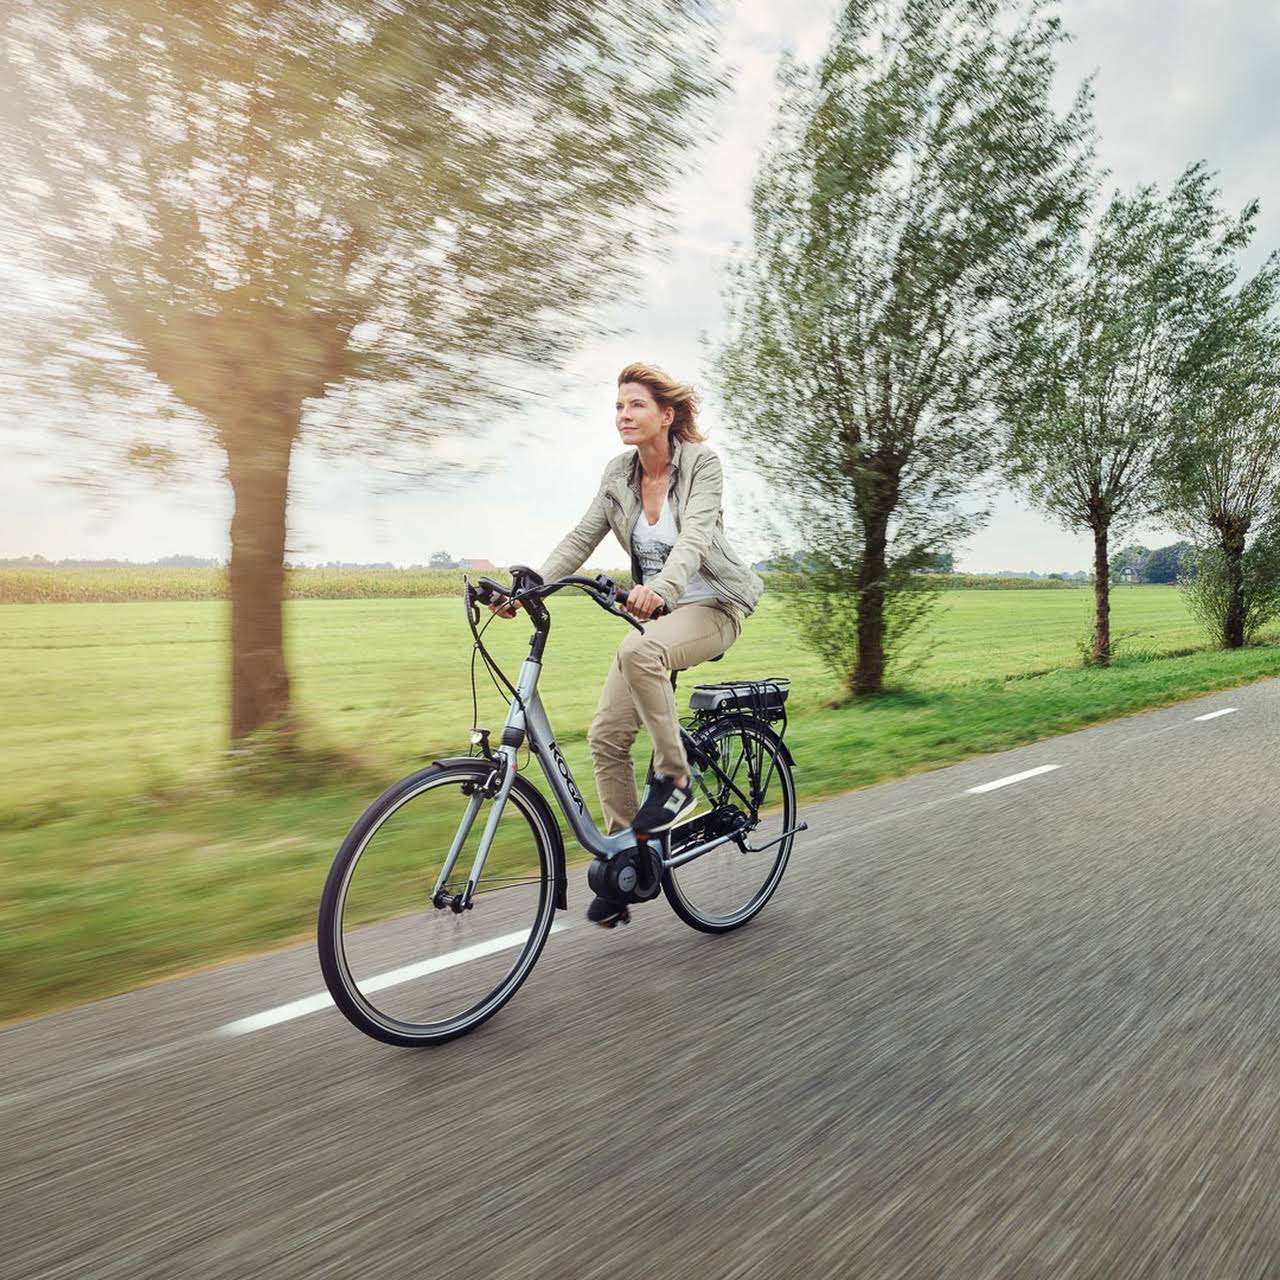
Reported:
(505, 608)
(643, 603)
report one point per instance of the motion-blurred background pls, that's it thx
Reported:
(308, 308)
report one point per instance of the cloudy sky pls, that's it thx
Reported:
(1177, 81)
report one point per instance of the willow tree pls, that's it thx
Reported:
(1223, 485)
(1101, 361)
(345, 222)
(917, 177)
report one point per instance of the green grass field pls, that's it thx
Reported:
(130, 851)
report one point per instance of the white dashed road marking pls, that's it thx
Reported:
(408, 973)
(392, 978)
(1012, 778)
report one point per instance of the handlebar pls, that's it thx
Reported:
(603, 590)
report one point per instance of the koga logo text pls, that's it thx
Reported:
(569, 783)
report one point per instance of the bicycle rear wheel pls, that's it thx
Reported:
(723, 889)
(410, 970)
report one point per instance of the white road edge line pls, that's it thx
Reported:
(392, 978)
(1213, 715)
(1011, 779)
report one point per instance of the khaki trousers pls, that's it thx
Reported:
(638, 690)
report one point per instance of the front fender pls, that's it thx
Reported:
(539, 802)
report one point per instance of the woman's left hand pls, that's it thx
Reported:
(643, 603)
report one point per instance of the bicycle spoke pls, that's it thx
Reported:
(727, 885)
(403, 959)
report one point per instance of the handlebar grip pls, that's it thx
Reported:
(494, 595)
(620, 598)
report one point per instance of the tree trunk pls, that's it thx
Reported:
(868, 675)
(258, 469)
(1101, 654)
(1233, 625)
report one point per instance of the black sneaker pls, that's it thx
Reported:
(607, 913)
(666, 805)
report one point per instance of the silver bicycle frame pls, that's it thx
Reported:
(527, 717)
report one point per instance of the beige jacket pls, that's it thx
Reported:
(695, 490)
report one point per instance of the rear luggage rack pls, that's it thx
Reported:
(763, 698)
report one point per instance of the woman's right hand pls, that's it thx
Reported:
(507, 609)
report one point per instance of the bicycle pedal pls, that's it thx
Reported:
(623, 917)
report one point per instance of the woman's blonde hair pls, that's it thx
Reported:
(669, 394)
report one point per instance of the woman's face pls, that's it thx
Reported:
(639, 418)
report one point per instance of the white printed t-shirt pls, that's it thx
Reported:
(652, 545)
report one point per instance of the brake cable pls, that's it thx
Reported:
(491, 664)
(495, 671)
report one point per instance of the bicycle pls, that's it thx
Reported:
(443, 952)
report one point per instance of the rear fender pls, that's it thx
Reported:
(737, 717)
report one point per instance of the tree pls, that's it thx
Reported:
(442, 560)
(1132, 557)
(1165, 564)
(358, 221)
(1098, 363)
(941, 562)
(1224, 483)
(1222, 596)
(914, 180)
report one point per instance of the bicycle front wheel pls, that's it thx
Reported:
(399, 961)
(754, 792)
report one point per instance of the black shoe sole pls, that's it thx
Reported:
(623, 917)
(612, 913)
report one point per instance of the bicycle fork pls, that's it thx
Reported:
(504, 760)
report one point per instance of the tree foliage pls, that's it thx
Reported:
(357, 221)
(1165, 565)
(917, 176)
(1134, 557)
(1093, 400)
(1223, 484)
(1222, 596)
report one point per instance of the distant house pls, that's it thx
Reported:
(475, 564)
(1128, 574)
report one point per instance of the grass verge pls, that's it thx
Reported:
(101, 901)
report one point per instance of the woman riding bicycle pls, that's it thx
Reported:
(662, 500)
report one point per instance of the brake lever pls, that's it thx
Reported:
(626, 617)
(623, 614)
(612, 607)
(469, 599)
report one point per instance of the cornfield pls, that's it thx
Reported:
(112, 586)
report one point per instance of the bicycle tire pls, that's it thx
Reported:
(344, 986)
(678, 884)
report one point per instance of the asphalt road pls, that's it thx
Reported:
(1028, 1031)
